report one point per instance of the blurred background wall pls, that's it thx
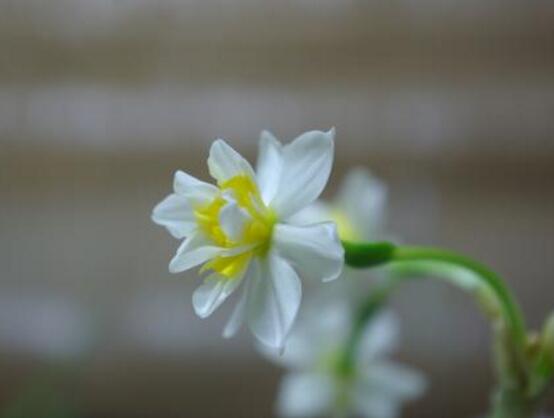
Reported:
(451, 103)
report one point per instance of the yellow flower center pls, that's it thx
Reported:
(256, 231)
(345, 228)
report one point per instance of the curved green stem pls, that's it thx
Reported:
(510, 310)
(515, 396)
(377, 298)
(364, 254)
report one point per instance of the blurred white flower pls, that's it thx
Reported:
(317, 385)
(240, 231)
(358, 208)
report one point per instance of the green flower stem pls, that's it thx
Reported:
(361, 255)
(377, 298)
(510, 310)
(515, 396)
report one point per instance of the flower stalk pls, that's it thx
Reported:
(366, 312)
(525, 366)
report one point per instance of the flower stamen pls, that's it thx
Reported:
(256, 232)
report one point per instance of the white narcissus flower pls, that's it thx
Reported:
(238, 230)
(317, 386)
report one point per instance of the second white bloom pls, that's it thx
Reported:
(238, 231)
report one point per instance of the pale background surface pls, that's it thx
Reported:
(451, 103)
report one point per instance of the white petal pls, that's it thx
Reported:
(382, 389)
(380, 337)
(269, 166)
(212, 293)
(197, 192)
(237, 317)
(273, 300)
(299, 353)
(304, 395)
(330, 303)
(363, 199)
(193, 251)
(314, 250)
(232, 219)
(224, 162)
(316, 212)
(322, 326)
(176, 215)
(371, 404)
(306, 167)
(392, 381)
